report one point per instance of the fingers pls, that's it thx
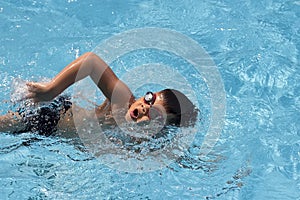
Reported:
(30, 95)
(38, 92)
(33, 97)
(32, 87)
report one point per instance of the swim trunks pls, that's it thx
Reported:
(44, 118)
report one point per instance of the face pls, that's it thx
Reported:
(146, 108)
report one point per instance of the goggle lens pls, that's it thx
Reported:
(149, 98)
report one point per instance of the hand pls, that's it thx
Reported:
(39, 91)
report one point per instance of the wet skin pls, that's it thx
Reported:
(141, 111)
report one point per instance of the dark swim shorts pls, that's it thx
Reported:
(44, 118)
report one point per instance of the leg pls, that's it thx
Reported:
(11, 123)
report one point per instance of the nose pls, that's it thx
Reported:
(142, 109)
(139, 111)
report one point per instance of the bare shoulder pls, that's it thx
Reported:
(78, 117)
(11, 123)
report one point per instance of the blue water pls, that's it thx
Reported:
(255, 46)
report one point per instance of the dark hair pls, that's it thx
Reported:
(184, 111)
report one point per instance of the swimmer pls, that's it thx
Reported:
(170, 105)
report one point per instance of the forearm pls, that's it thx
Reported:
(80, 68)
(88, 64)
(91, 65)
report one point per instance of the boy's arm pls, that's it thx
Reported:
(88, 64)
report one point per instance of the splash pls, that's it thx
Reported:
(19, 90)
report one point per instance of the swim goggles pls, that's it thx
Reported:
(154, 111)
(149, 98)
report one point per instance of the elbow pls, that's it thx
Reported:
(90, 55)
(90, 61)
(93, 64)
(92, 58)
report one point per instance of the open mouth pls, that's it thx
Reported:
(134, 114)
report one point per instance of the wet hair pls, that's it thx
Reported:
(184, 111)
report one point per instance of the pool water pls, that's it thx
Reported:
(255, 46)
